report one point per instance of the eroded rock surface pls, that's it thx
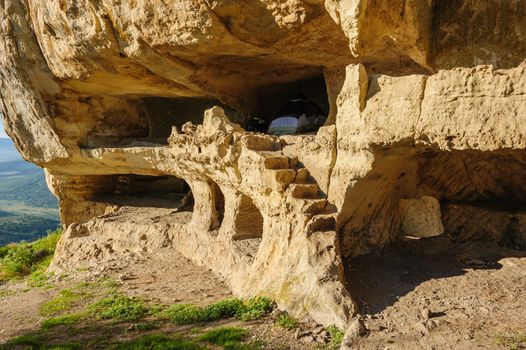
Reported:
(421, 217)
(129, 105)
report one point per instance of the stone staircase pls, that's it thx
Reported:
(302, 190)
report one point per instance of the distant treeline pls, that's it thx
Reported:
(25, 228)
(27, 209)
(24, 182)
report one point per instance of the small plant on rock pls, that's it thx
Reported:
(336, 337)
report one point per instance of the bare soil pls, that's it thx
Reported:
(165, 279)
(418, 294)
(438, 294)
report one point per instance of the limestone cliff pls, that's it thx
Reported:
(127, 104)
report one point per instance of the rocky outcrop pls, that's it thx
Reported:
(127, 105)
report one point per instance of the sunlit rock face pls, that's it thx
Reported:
(128, 105)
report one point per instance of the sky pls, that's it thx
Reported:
(2, 132)
(3, 135)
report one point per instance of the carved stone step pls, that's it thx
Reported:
(322, 223)
(313, 206)
(306, 191)
(303, 176)
(280, 178)
(276, 161)
(261, 143)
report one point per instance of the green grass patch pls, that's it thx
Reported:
(22, 259)
(72, 298)
(26, 339)
(157, 342)
(64, 301)
(222, 309)
(251, 309)
(256, 308)
(35, 342)
(336, 337)
(286, 321)
(120, 308)
(39, 279)
(184, 313)
(65, 320)
(144, 326)
(224, 335)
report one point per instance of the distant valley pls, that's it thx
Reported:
(27, 208)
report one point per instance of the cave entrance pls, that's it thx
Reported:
(480, 199)
(163, 113)
(282, 100)
(148, 121)
(474, 195)
(163, 191)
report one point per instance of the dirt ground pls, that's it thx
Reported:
(436, 294)
(165, 279)
(428, 294)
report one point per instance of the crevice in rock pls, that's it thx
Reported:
(218, 206)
